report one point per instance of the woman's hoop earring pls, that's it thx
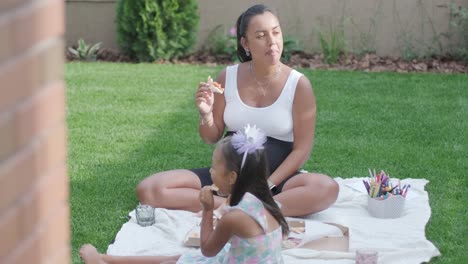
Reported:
(247, 53)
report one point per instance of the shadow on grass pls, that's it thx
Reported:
(119, 136)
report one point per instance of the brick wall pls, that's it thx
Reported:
(34, 211)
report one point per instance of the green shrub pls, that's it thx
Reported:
(148, 30)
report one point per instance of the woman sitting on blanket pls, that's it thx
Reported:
(263, 91)
(252, 223)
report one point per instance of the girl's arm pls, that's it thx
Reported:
(304, 111)
(213, 240)
(233, 223)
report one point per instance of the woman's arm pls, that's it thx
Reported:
(304, 111)
(211, 108)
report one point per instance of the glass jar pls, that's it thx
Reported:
(145, 215)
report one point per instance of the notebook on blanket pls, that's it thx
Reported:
(403, 241)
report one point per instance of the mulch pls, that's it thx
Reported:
(348, 62)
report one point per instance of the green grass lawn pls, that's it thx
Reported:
(127, 121)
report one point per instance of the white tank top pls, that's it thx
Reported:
(275, 120)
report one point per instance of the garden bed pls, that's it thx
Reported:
(350, 62)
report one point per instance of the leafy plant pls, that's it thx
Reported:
(148, 30)
(459, 25)
(333, 44)
(221, 42)
(85, 51)
(408, 50)
(367, 40)
(290, 45)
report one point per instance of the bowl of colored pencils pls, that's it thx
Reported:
(386, 197)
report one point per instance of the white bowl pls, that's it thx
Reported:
(392, 207)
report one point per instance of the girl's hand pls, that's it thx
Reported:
(204, 99)
(206, 198)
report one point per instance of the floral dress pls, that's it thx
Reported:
(264, 248)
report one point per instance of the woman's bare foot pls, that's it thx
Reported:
(90, 255)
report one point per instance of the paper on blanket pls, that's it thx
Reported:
(309, 231)
(314, 230)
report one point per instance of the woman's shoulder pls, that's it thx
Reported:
(221, 78)
(304, 86)
(303, 80)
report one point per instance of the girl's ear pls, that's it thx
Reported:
(232, 177)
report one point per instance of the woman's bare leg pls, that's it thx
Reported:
(319, 190)
(90, 255)
(175, 189)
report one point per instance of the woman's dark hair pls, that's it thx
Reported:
(242, 24)
(251, 178)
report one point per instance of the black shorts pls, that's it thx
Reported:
(277, 151)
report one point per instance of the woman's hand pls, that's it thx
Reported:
(204, 99)
(206, 198)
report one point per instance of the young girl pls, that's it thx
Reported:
(251, 230)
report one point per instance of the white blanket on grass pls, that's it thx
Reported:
(400, 240)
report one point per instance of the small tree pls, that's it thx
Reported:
(148, 30)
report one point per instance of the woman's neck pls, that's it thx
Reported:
(265, 72)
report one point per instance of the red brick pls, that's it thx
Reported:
(36, 208)
(53, 150)
(45, 240)
(21, 36)
(57, 231)
(51, 193)
(39, 114)
(52, 62)
(16, 176)
(7, 136)
(19, 80)
(60, 255)
(5, 36)
(10, 4)
(28, 251)
(9, 232)
(19, 173)
(34, 213)
(40, 22)
(30, 73)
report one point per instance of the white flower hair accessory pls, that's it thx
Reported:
(248, 141)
